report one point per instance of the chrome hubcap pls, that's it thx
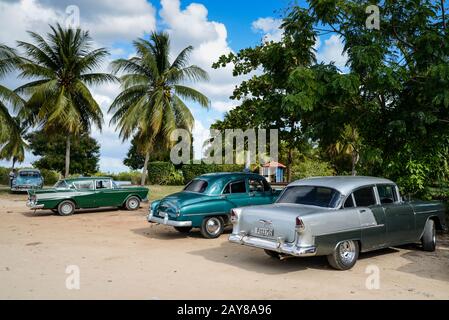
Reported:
(213, 226)
(66, 209)
(133, 203)
(347, 251)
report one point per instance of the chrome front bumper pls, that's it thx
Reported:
(34, 206)
(166, 221)
(277, 246)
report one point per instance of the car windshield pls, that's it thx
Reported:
(29, 174)
(198, 186)
(310, 195)
(61, 184)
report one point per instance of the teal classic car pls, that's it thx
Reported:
(206, 202)
(27, 179)
(84, 193)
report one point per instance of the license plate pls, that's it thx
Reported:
(162, 214)
(265, 232)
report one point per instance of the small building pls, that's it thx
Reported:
(273, 171)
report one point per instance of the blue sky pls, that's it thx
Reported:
(213, 27)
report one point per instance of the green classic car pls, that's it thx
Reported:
(206, 202)
(84, 193)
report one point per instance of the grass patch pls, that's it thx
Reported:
(159, 192)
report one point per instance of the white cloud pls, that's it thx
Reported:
(269, 27)
(223, 106)
(209, 39)
(332, 51)
(107, 21)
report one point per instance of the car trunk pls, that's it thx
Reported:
(280, 218)
(171, 204)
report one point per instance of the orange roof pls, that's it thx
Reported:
(274, 164)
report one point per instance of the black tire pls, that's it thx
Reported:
(345, 255)
(66, 208)
(132, 204)
(212, 227)
(272, 254)
(429, 238)
(184, 230)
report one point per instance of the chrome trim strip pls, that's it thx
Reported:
(279, 246)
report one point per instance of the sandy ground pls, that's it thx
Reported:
(121, 256)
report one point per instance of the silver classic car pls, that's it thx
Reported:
(337, 217)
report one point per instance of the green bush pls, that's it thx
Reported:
(164, 173)
(191, 171)
(50, 176)
(4, 175)
(311, 168)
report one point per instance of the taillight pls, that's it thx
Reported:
(234, 216)
(300, 227)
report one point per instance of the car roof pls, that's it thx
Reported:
(29, 170)
(210, 177)
(343, 184)
(86, 178)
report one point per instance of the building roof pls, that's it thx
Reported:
(344, 184)
(274, 164)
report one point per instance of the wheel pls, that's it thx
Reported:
(66, 208)
(272, 254)
(345, 255)
(133, 203)
(183, 229)
(212, 227)
(429, 238)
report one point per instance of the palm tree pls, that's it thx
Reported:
(14, 148)
(61, 68)
(150, 104)
(12, 144)
(350, 143)
(8, 126)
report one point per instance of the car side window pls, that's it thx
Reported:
(235, 187)
(266, 185)
(387, 194)
(365, 197)
(256, 185)
(103, 184)
(349, 203)
(84, 185)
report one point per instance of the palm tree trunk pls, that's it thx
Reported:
(13, 163)
(355, 157)
(289, 165)
(67, 157)
(145, 168)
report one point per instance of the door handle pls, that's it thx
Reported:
(362, 211)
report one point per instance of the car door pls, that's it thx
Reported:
(259, 193)
(236, 193)
(85, 196)
(400, 217)
(372, 218)
(106, 195)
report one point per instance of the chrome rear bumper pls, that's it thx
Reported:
(166, 221)
(34, 206)
(277, 246)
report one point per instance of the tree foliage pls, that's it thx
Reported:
(85, 152)
(389, 109)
